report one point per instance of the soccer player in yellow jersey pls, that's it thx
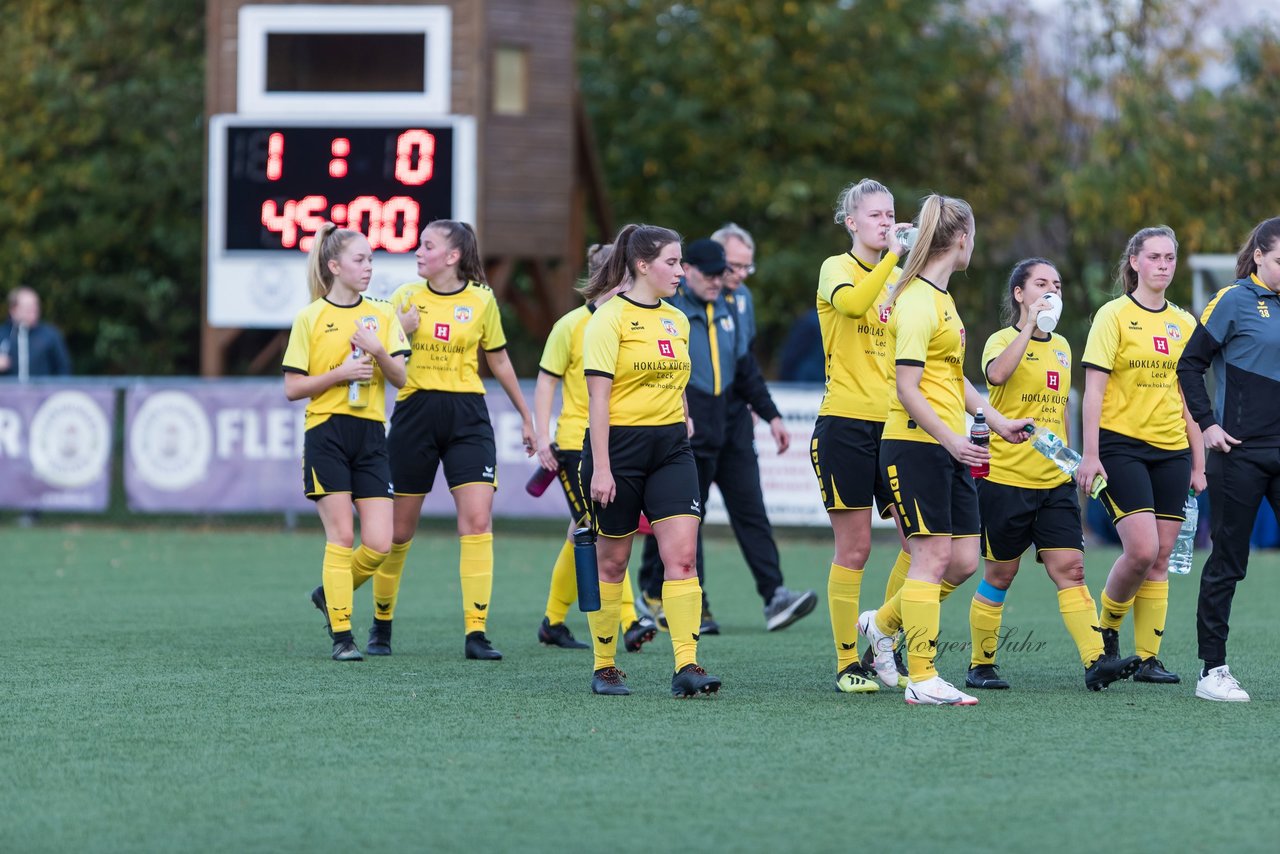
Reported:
(926, 453)
(562, 361)
(342, 349)
(1139, 436)
(440, 417)
(636, 455)
(1027, 500)
(853, 307)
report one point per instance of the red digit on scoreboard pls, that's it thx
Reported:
(411, 144)
(281, 222)
(405, 237)
(310, 216)
(275, 156)
(366, 206)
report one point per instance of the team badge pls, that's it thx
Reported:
(670, 326)
(1174, 331)
(462, 314)
(369, 322)
(726, 323)
(1062, 359)
(665, 349)
(1053, 378)
(1264, 310)
(1162, 344)
(442, 332)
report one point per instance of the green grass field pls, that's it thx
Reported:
(171, 689)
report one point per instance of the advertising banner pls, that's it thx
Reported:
(55, 446)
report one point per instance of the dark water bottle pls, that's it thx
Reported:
(541, 478)
(980, 435)
(586, 569)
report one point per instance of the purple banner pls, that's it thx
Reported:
(55, 446)
(236, 446)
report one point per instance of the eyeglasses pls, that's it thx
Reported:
(743, 269)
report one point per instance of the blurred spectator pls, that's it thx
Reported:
(802, 360)
(29, 348)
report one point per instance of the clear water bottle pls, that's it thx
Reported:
(907, 237)
(1047, 442)
(357, 390)
(1184, 548)
(980, 435)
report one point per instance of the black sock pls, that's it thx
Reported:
(1210, 665)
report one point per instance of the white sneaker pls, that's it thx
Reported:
(1219, 684)
(881, 648)
(936, 692)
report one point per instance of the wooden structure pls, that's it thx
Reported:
(538, 176)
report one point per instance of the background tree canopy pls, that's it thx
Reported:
(1064, 139)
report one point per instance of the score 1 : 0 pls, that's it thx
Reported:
(415, 141)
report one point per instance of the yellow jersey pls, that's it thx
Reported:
(644, 349)
(925, 330)
(320, 341)
(854, 343)
(562, 358)
(1139, 348)
(450, 328)
(1038, 389)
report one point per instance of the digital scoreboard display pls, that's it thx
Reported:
(272, 185)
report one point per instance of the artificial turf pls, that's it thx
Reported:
(171, 689)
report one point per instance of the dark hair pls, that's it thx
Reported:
(598, 255)
(941, 222)
(634, 243)
(1263, 237)
(327, 246)
(1017, 279)
(462, 236)
(1126, 276)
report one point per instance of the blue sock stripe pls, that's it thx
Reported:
(993, 594)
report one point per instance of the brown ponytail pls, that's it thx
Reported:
(1126, 276)
(634, 243)
(461, 236)
(1263, 237)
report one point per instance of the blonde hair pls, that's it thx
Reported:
(328, 245)
(851, 196)
(942, 221)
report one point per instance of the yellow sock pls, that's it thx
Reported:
(682, 601)
(945, 589)
(604, 624)
(1080, 616)
(564, 585)
(364, 563)
(1150, 607)
(628, 614)
(386, 582)
(897, 575)
(843, 588)
(921, 615)
(889, 615)
(338, 592)
(984, 630)
(1113, 612)
(475, 568)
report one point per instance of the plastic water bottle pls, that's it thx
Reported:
(1184, 548)
(586, 569)
(907, 237)
(357, 390)
(1047, 321)
(541, 478)
(1047, 442)
(980, 435)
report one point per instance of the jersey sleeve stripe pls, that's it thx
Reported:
(594, 373)
(916, 363)
(288, 369)
(550, 373)
(1094, 367)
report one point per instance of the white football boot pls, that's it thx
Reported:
(936, 692)
(881, 648)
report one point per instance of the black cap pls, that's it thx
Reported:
(707, 256)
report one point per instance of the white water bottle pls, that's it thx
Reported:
(1184, 548)
(1047, 320)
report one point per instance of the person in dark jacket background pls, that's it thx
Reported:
(1239, 336)
(29, 348)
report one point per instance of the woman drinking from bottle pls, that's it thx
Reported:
(1239, 335)
(636, 455)
(853, 306)
(342, 350)
(1140, 438)
(1027, 500)
(925, 454)
(562, 361)
(441, 417)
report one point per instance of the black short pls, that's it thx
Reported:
(568, 477)
(1142, 478)
(845, 453)
(1016, 517)
(428, 427)
(654, 472)
(933, 492)
(346, 454)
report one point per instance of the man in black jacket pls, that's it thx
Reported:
(29, 348)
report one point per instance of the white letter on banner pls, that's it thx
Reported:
(508, 439)
(281, 424)
(253, 449)
(228, 428)
(10, 433)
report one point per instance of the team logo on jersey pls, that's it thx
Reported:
(369, 322)
(462, 313)
(1162, 344)
(726, 323)
(665, 349)
(962, 341)
(1053, 379)
(1133, 324)
(1174, 331)
(442, 331)
(670, 326)
(1264, 310)
(885, 311)
(1062, 359)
